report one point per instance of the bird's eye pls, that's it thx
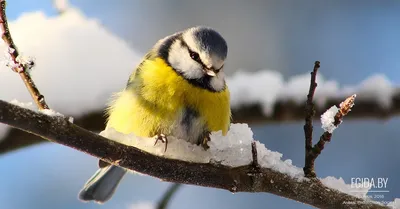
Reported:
(195, 56)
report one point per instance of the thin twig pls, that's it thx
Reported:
(254, 155)
(344, 109)
(255, 172)
(19, 67)
(60, 130)
(308, 127)
(166, 198)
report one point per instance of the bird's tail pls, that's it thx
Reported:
(101, 186)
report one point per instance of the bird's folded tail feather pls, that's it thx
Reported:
(101, 186)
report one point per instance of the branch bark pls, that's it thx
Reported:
(284, 111)
(17, 66)
(308, 126)
(234, 179)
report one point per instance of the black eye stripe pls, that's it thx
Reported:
(194, 55)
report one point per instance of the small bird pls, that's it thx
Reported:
(177, 90)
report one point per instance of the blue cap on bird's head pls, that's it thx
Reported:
(209, 41)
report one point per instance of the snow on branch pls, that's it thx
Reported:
(218, 170)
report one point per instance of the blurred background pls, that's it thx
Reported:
(352, 39)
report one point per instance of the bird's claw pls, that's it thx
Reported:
(162, 138)
(205, 141)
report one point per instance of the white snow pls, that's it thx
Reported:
(78, 63)
(395, 204)
(273, 160)
(296, 89)
(23, 60)
(51, 112)
(266, 87)
(142, 205)
(8, 61)
(376, 87)
(71, 119)
(260, 87)
(231, 150)
(28, 105)
(339, 184)
(328, 119)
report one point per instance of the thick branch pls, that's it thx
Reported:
(284, 111)
(237, 179)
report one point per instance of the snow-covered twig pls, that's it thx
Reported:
(331, 123)
(331, 119)
(308, 127)
(238, 179)
(19, 64)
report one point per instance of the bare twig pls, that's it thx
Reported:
(166, 198)
(308, 127)
(254, 154)
(60, 130)
(18, 66)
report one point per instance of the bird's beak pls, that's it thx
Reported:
(210, 72)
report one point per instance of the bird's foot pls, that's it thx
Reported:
(163, 139)
(205, 141)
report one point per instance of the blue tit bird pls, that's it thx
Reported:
(177, 90)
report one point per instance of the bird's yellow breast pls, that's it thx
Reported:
(156, 95)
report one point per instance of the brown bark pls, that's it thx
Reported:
(250, 178)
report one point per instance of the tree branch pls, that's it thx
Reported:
(166, 198)
(284, 111)
(313, 152)
(308, 127)
(235, 179)
(17, 64)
